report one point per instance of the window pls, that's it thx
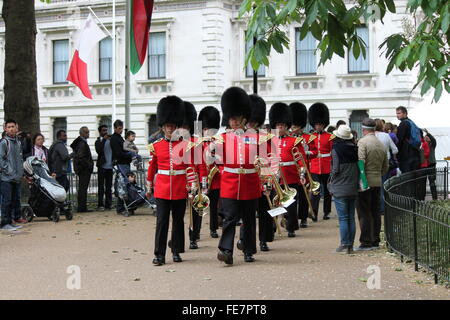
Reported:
(249, 69)
(152, 126)
(60, 60)
(356, 119)
(360, 64)
(107, 121)
(305, 55)
(157, 56)
(105, 63)
(59, 124)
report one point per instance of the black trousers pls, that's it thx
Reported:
(105, 177)
(432, 181)
(233, 210)
(63, 181)
(197, 225)
(265, 221)
(291, 215)
(302, 204)
(84, 178)
(163, 210)
(369, 216)
(323, 180)
(214, 208)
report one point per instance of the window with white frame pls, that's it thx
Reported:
(152, 126)
(361, 64)
(305, 54)
(106, 121)
(60, 60)
(157, 55)
(59, 124)
(105, 59)
(249, 69)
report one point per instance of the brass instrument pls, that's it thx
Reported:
(200, 201)
(312, 186)
(267, 188)
(282, 196)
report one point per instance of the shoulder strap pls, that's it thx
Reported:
(8, 148)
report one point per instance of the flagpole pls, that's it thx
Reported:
(127, 64)
(114, 114)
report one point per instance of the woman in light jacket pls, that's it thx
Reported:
(344, 184)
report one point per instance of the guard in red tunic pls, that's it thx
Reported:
(170, 185)
(320, 145)
(209, 118)
(239, 185)
(280, 118)
(299, 120)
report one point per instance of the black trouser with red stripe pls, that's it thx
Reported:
(266, 228)
(302, 203)
(291, 215)
(163, 209)
(213, 196)
(323, 180)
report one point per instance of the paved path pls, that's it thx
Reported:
(115, 253)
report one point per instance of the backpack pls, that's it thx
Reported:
(414, 136)
(8, 148)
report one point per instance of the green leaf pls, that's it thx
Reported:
(270, 9)
(292, 5)
(245, 7)
(356, 49)
(445, 20)
(423, 54)
(311, 14)
(316, 30)
(425, 87)
(390, 5)
(438, 92)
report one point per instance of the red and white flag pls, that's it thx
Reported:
(89, 37)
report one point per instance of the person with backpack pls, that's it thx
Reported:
(409, 141)
(58, 159)
(11, 173)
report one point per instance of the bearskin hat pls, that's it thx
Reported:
(319, 113)
(210, 117)
(234, 103)
(280, 113)
(170, 110)
(190, 116)
(299, 114)
(258, 107)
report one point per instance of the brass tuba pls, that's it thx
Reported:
(312, 186)
(200, 201)
(286, 195)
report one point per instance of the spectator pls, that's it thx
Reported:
(343, 185)
(331, 129)
(156, 136)
(128, 145)
(38, 149)
(424, 163)
(390, 129)
(431, 162)
(59, 158)
(83, 166)
(408, 142)
(11, 172)
(122, 158)
(25, 142)
(372, 152)
(391, 151)
(104, 169)
(355, 136)
(340, 123)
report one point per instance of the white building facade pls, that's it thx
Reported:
(197, 49)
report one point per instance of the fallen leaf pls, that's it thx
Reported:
(362, 279)
(170, 270)
(115, 251)
(137, 279)
(207, 278)
(398, 269)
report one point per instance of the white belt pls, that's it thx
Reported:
(172, 172)
(239, 170)
(324, 155)
(285, 164)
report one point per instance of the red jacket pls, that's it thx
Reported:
(168, 155)
(320, 145)
(426, 152)
(205, 168)
(285, 145)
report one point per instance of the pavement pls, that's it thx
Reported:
(113, 257)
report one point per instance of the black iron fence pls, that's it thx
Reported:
(417, 219)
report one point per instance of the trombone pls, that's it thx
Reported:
(200, 202)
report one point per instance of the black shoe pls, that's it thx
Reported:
(248, 257)
(314, 217)
(197, 238)
(350, 250)
(341, 248)
(159, 261)
(263, 246)
(176, 258)
(291, 234)
(193, 245)
(303, 224)
(326, 216)
(214, 234)
(240, 245)
(225, 256)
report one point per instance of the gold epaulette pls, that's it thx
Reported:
(298, 140)
(266, 137)
(311, 138)
(190, 145)
(151, 147)
(218, 138)
(332, 137)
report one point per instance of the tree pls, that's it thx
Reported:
(334, 26)
(20, 87)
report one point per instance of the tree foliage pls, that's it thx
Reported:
(333, 24)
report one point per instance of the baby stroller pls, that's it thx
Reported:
(47, 196)
(132, 195)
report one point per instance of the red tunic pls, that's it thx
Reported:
(285, 145)
(426, 154)
(204, 167)
(168, 155)
(320, 145)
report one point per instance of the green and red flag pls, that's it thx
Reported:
(141, 16)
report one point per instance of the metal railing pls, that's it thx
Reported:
(417, 220)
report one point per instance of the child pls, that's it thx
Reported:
(131, 178)
(128, 145)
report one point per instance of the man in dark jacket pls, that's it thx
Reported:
(121, 157)
(83, 166)
(104, 165)
(58, 159)
(408, 156)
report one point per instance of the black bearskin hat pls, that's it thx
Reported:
(190, 116)
(258, 105)
(235, 102)
(170, 110)
(280, 113)
(299, 114)
(210, 118)
(319, 113)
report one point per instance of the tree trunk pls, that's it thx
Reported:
(20, 88)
